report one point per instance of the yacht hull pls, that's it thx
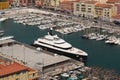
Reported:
(67, 54)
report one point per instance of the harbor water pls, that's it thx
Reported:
(99, 53)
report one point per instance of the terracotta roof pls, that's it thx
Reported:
(103, 5)
(11, 68)
(90, 2)
(116, 17)
(69, 1)
(66, 2)
(112, 1)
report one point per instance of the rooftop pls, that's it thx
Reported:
(112, 1)
(31, 56)
(69, 1)
(7, 68)
(103, 5)
(90, 2)
(116, 17)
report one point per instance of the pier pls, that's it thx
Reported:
(46, 63)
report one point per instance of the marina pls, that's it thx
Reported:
(107, 56)
(45, 62)
(110, 52)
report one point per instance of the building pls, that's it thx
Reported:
(4, 5)
(55, 3)
(105, 11)
(11, 70)
(67, 6)
(118, 7)
(23, 2)
(52, 4)
(116, 3)
(39, 3)
(43, 61)
(116, 18)
(14, 3)
(84, 8)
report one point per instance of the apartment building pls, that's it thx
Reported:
(51, 3)
(84, 8)
(67, 6)
(105, 11)
(23, 2)
(10, 70)
(39, 3)
(116, 3)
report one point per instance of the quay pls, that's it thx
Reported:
(47, 64)
(51, 66)
(62, 23)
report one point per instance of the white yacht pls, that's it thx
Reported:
(1, 33)
(3, 19)
(57, 45)
(6, 38)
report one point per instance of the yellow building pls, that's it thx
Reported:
(55, 3)
(4, 5)
(105, 11)
(94, 9)
(84, 8)
(51, 3)
(15, 71)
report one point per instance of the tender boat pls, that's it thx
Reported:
(2, 19)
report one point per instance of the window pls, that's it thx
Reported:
(89, 10)
(77, 7)
(33, 74)
(83, 5)
(17, 79)
(83, 9)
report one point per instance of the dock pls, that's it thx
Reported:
(45, 62)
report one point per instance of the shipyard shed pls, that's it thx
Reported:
(30, 55)
(43, 61)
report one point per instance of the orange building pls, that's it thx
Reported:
(39, 3)
(10, 70)
(105, 11)
(67, 6)
(111, 1)
(23, 2)
(116, 18)
(116, 3)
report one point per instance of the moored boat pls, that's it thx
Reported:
(57, 45)
(3, 19)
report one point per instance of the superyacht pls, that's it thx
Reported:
(57, 45)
